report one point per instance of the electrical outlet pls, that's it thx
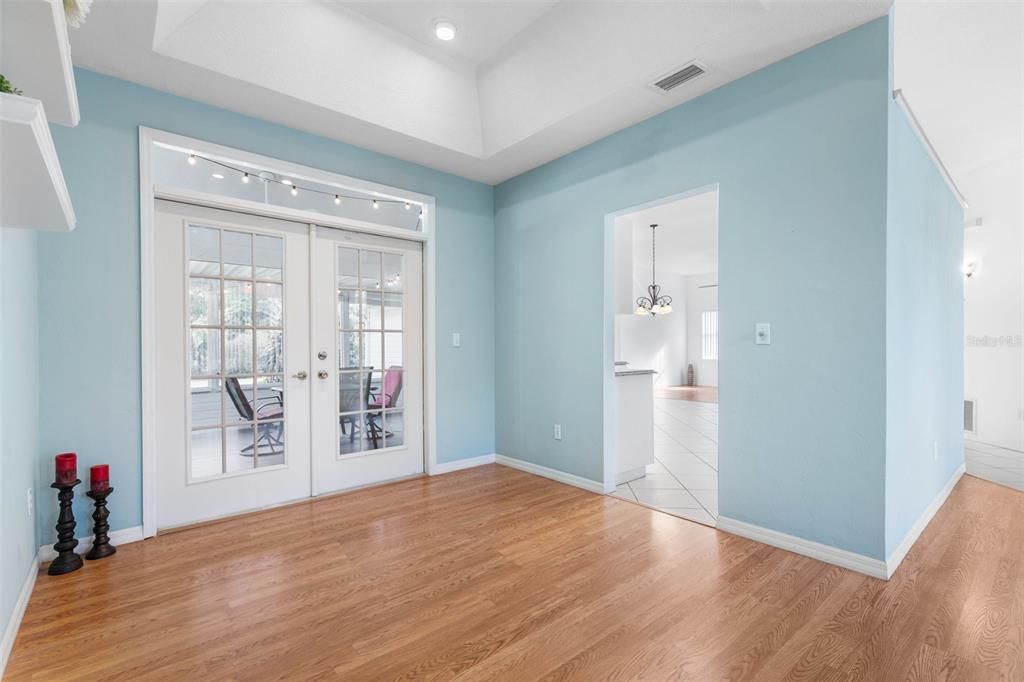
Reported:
(558, 432)
(30, 501)
(456, 340)
(763, 334)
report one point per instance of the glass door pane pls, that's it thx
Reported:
(237, 337)
(371, 345)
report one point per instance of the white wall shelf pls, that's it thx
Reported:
(32, 190)
(35, 55)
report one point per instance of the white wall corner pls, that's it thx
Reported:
(14, 623)
(117, 537)
(896, 558)
(876, 568)
(459, 464)
(554, 474)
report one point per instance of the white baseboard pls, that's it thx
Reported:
(898, 554)
(553, 474)
(631, 475)
(876, 568)
(117, 537)
(459, 464)
(990, 449)
(11, 629)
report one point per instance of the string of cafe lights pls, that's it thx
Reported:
(246, 176)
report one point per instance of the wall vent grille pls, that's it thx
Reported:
(677, 78)
(970, 416)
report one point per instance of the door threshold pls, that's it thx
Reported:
(290, 503)
(376, 484)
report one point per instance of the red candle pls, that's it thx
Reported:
(67, 467)
(99, 477)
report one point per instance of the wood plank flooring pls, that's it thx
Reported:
(495, 574)
(700, 394)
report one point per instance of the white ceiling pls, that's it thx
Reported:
(961, 66)
(484, 28)
(687, 235)
(522, 83)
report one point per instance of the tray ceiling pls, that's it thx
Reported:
(521, 84)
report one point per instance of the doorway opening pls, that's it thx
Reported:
(666, 352)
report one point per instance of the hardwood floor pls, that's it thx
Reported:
(495, 574)
(700, 394)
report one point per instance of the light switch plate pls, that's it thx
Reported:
(456, 340)
(763, 334)
(558, 432)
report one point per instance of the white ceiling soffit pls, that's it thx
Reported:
(522, 83)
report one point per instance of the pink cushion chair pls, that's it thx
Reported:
(392, 388)
(387, 397)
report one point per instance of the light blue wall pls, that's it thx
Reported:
(924, 332)
(19, 410)
(799, 152)
(89, 280)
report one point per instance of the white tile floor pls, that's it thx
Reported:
(684, 478)
(999, 465)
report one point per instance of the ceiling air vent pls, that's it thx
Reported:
(970, 416)
(677, 78)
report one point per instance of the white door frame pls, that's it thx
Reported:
(610, 430)
(148, 193)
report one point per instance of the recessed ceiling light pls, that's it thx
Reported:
(444, 30)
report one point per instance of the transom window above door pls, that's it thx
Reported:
(224, 175)
(235, 317)
(371, 346)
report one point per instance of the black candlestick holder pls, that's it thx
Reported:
(66, 561)
(101, 546)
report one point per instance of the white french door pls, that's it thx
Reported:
(251, 414)
(368, 364)
(232, 354)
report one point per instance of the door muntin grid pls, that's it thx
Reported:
(370, 323)
(236, 340)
